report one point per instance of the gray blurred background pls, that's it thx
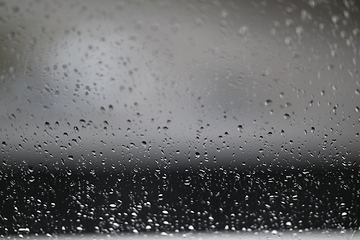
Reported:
(177, 83)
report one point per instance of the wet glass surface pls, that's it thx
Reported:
(179, 116)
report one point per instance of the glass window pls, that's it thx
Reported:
(194, 118)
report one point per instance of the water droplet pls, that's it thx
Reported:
(243, 31)
(288, 41)
(335, 19)
(312, 3)
(82, 122)
(23, 229)
(330, 67)
(32, 179)
(187, 182)
(268, 102)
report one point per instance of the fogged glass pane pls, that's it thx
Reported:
(179, 116)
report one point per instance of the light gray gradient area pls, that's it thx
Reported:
(177, 83)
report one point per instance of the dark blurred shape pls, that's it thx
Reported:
(205, 200)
